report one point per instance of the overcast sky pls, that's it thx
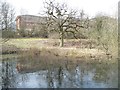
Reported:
(91, 7)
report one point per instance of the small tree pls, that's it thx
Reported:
(104, 32)
(63, 20)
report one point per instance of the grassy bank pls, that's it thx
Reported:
(82, 48)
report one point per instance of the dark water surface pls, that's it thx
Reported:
(38, 73)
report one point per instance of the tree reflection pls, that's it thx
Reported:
(50, 79)
(54, 77)
(8, 74)
(68, 73)
(105, 72)
(60, 76)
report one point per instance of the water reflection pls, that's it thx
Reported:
(58, 73)
(8, 74)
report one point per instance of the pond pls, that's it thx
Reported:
(37, 73)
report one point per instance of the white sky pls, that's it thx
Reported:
(91, 7)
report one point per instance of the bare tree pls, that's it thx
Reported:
(99, 27)
(6, 20)
(63, 20)
(7, 15)
(104, 32)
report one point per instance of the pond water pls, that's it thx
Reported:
(30, 73)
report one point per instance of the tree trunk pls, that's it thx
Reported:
(61, 38)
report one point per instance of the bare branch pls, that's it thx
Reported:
(63, 20)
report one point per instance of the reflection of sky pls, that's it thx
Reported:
(32, 80)
(70, 79)
(88, 81)
(38, 80)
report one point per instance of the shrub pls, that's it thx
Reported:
(8, 34)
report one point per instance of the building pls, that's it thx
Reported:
(29, 22)
(30, 25)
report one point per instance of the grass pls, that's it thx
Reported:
(37, 42)
(46, 46)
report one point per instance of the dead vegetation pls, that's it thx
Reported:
(80, 49)
(9, 49)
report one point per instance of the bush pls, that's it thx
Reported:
(32, 33)
(8, 34)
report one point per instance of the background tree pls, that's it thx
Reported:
(105, 32)
(63, 20)
(7, 16)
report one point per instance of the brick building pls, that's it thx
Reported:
(29, 22)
